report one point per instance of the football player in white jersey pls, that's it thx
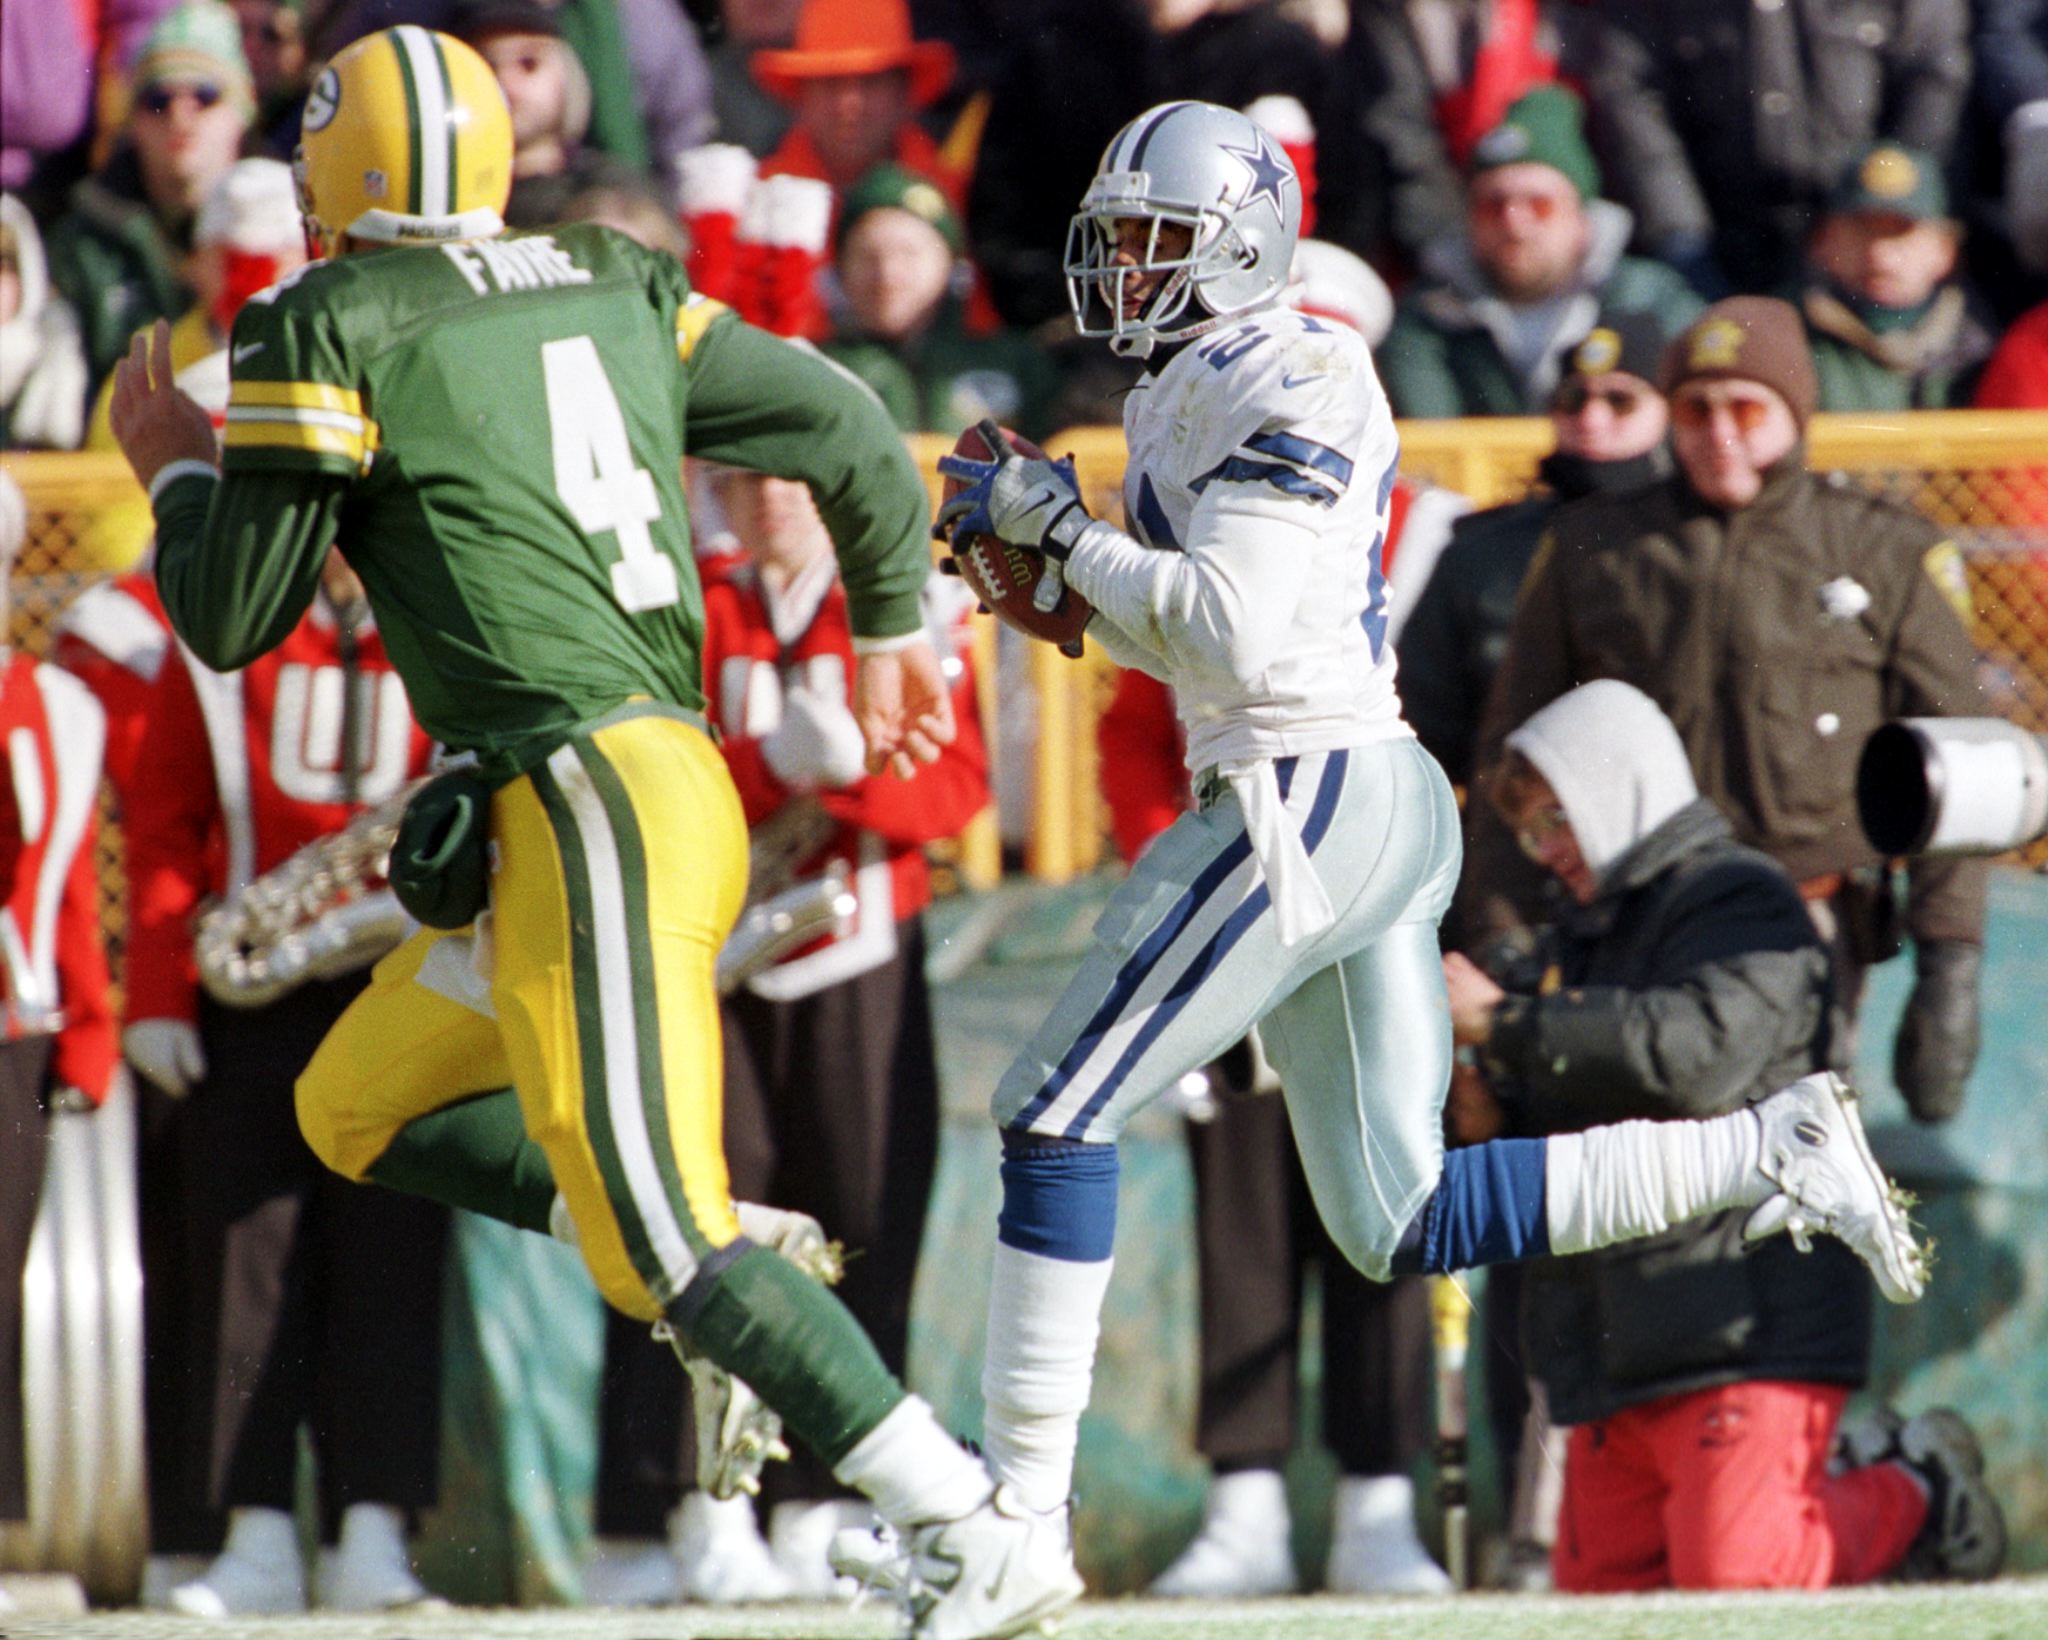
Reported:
(1303, 894)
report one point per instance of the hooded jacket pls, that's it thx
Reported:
(42, 360)
(1692, 984)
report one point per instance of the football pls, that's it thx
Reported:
(1005, 577)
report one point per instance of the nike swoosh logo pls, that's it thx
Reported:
(248, 350)
(1293, 381)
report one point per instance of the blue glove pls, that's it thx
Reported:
(1027, 501)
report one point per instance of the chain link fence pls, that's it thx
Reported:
(1983, 475)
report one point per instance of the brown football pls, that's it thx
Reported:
(1004, 576)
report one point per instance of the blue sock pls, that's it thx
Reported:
(1059, 1198)
(1488, 1208)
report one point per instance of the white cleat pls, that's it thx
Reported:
(1815, 1152)
(371, 1570)
(1374, 1548)
(257, 1574)
(1241, 1552)
(721, 1557)
(1001, 1571)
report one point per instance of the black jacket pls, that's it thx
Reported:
(1732, 122)
(1692, 986)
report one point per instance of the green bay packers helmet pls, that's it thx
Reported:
(405, 139)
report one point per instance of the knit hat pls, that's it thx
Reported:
(195, 42)
(1543, 126)
(1629, 342)
(1894, 180)
(1747, 338)
(891, 187)
(477, 20)
(253, 207)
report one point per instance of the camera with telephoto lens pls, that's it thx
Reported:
(1952, 786)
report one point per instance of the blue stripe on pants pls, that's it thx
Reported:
(1212, 953)
(1142, 961)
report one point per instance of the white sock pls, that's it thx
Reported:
(913, 1470)
(1633, 1179)
(1044, 1316)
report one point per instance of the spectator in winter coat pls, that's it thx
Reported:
(117, 253)
(1891, 326)
(907, 333)
(43, 377)
(1487, 330)
(549, 93)
(1703, 1376)
(1434, 77)
(1727, 126)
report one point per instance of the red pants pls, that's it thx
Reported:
(1728, 1489)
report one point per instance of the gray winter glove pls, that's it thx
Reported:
(1937, 1041)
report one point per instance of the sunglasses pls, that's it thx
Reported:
(1534, 835)
(160, 99)
(1498, 207)
(1697, 411)
(1574, 395)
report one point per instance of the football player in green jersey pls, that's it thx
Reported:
(491, 427)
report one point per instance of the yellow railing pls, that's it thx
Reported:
(1982, 474)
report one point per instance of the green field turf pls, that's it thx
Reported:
(2011, 1610)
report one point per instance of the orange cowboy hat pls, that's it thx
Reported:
(856, 37)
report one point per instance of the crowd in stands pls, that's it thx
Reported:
(1515, 170)
(1649, 221)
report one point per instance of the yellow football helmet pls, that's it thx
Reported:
(405, 139)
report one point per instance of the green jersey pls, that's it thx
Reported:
(493, 433)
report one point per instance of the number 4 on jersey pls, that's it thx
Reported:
(595, 475)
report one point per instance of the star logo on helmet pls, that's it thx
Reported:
(1270, 172)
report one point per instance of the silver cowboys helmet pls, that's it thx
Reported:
(1211, 170)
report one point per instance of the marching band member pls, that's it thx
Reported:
(315, 1300)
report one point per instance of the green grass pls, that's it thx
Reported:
(2012, 1610)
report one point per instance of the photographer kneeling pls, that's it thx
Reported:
(1704, 1377)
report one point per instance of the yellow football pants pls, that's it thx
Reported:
(619, 866)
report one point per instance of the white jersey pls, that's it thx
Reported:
(1261, 459)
